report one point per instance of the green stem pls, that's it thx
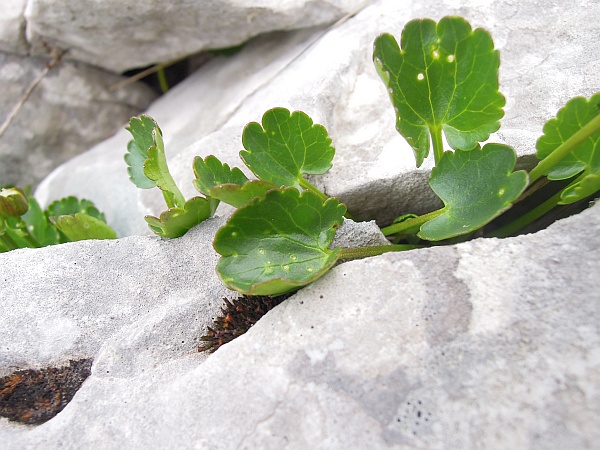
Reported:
(438, 143)
(8, 241)
(166, 183)
(593, 126)
(512, 227)
(364, 252)
(308, 186)
(162, 80)
(27, 235)
(411, 225)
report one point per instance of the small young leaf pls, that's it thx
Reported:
(80, 226)
(588, 185)
(475, 187)
(175, 222)
(238, 196)
(279, 242)
(584, 158)
(445, 77)
(137, 150)
(72, 205)
(210, 173)
(156, 169)
(286, 147)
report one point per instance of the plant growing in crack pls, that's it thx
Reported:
(23, 223)
(442, 80)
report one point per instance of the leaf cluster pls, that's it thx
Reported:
(23, 223)
(443, 82)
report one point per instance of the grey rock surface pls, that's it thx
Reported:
(69, 111)
(486, 344)
(76, 297)
(120, 35)
(12, 27)
(546, 59)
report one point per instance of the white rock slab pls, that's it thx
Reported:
(71, 109)
(547, 57)
(120, 35)
(486, 344)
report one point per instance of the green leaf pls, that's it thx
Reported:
(72, 205)
(80, 226)
(156, 169)
(175, 222)
(238, 196)
(137, 150)
(588, 185)
(279, 242)
(445, 78)
(286, 147)
(584, 158)
(210, 173)
(39, 226)
(475, 187)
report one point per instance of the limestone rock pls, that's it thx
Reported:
(12, 27)
(546, 59)
(69, 111)
(120, 35)
(486, 344)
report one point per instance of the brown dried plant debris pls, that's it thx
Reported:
(36, 396)
(237, 316)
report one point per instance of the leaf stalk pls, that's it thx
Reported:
(411, 226)
(592, 127)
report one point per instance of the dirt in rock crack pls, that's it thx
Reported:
(237, 316)
(36, 396)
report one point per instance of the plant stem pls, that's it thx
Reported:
(514, 226)
(438, 143)
(411, 225)
(27, 235)
(8, 241)
(593, 126)
(162, 80)
(364, 252)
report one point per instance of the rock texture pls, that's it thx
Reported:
(487, 344)
(119, 35)
(546, 59)
(71, 109)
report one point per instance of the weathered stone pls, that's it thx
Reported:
(12, 27)
(71, 109)
(486, 344)
(546, 59)
(121, 35)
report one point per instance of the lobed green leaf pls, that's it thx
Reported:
(137, 150)
(72, 205)
(279, 242)
(80, 226)
(586, 186)
(175, 222)
(238, 196)
(210, 173)
(584, 159)
(286, 147)
(156, 169)
(444, 78)
(475, 187)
